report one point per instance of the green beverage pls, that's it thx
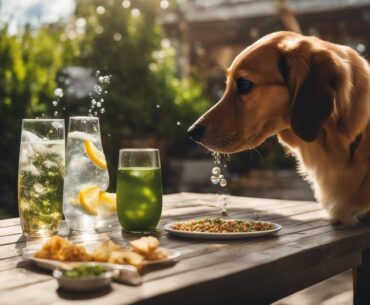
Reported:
(139, 198)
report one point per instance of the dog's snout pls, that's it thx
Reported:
(196, 132)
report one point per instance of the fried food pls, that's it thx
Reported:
(61, 249)
(145, 245)
(145, 248)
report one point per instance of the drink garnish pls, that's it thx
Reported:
(95, 155)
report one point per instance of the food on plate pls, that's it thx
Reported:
(61, 249)
(218, 225)
(145, 248)
(84, 271)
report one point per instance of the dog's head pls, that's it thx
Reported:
(283, 81)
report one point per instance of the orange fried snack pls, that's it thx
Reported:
(58, 248)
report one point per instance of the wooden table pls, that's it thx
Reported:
(306, 251)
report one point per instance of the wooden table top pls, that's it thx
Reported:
(307, 250)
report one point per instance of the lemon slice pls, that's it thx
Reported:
(108, 200)
(89, 199)
(95, 155)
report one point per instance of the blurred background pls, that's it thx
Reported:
(167, 59)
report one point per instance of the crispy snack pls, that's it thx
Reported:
(145, 245)
(126, 257)
(159, 254)
(61, 249)
(58, 248)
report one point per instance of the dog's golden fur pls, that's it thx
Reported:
(313, 94)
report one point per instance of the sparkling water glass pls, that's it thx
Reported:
(139, 190)
(40, 176)
(86, 176)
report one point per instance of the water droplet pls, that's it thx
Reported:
(100, 10)
(101, 79)
(216, 171)
(43, 114)
(92, 107)
(102, 110)
(164, 4)
(178, 123)
(223, 182)
(106, 79)
(93, 102)
(58, 92)
(135, 12)
(101, 100)
(117, 36)
(97, 73)
(64, 108)
(221, 177)
(55, 113)
(126, 3)
(108, 133)
(215, 180)
(105, 91)
(158, 106)
(95, 113)
(98, 104)
(224, 212)
(98, 89)
(55, 103)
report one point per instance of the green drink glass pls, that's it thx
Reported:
(139, 190)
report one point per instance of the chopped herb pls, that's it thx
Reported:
(85, 270)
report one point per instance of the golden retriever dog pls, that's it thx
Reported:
(315, 96)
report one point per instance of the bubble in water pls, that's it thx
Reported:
(178, 123)
(58, 92)
(55, 103)
(101, 79)
(98, 104)
(93, 102)
(98, 89)
(215, 180)
(158, 106)
(102, 110)
(223, 182)
(55, 113)
(216, 171)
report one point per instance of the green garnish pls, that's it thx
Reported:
(85, 270)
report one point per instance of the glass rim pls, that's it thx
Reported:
(42, 119)
(82, 117)
(139, 150)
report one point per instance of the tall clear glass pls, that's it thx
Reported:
(40, 176)
(139, 190)
(86, 175)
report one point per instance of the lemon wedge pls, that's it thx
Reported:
(95, 155)
(108, 200)
(89, 199)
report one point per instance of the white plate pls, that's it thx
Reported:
(208, 235)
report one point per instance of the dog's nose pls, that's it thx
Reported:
(196, 131)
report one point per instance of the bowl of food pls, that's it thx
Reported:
(84, 277)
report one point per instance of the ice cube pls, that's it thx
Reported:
(57, 125)
(28, 136)
(81, 136)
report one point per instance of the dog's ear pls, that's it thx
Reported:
(310, 77)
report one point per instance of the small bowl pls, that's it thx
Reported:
(84, 283)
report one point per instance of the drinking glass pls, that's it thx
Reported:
(139, 190)
(86, 175)
(40, 176)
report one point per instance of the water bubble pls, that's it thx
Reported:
(98, 89)
(101, 79)
(58, 92)
(215, 180)
(55, 113)
(55, 103)
(117, 36)
(100, 10)
(102, 110)
(216, 171)
(158, 106)
(93, 101)
(223, 182)
(178, 123)
(98, 104)
(135, 12)
(126, 3)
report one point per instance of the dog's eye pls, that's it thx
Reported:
(244, 85)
